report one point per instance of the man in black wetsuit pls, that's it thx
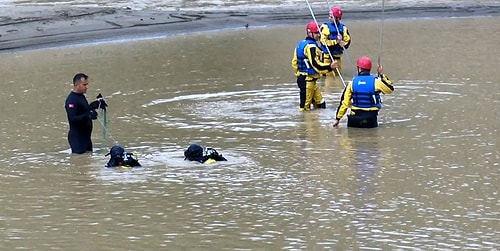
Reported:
(80, 115)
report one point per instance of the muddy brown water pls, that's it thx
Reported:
(426, 179)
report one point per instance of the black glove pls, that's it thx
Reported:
(102, 103)
(93, 114)
(94, 105)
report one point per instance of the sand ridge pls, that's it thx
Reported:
(32, 27)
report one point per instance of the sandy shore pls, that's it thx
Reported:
(25, 27)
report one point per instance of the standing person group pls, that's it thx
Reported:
(308, 67)
(312, 59)
(362, 95)
(80, 115)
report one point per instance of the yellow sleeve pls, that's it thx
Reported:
(346, 35)
(294, 62)
(383, 85)
(345, 101)
(319, 67)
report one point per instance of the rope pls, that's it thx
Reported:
(105, 132)
(104, 125)
(329, 53)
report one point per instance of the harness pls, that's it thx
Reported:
(363, 92)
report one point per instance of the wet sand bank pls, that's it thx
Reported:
(25, 27)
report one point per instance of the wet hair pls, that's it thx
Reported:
(78, 77)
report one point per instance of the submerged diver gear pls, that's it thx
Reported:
(119, 157)
(201, 154)
(194, 152)
(211, 153)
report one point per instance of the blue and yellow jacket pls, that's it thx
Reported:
(306, 60)
(329, 35)
(363, 93)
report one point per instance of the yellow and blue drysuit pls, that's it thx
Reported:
(329, 34)
(308, 67)
(362, 95)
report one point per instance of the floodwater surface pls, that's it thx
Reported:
(426, 179)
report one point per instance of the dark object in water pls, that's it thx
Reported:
(202, 154)
(119, 157)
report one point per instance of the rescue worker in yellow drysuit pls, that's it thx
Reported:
(308, 67)
(335, 36)
(362, 96)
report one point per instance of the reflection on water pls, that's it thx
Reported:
(426, 178)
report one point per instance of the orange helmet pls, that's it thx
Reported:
(364, 63)
(336, 12)
(312, 27)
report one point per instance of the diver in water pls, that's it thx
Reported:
(120, 157)
(202, 154)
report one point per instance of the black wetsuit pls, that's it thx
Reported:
(80, 123)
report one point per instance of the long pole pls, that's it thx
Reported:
(381, 32)
(345, 51)
(329, 53)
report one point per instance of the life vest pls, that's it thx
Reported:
(363, 92)
(303, 64)
(336, 49)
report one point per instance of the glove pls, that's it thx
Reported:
(102, 103)
(93, 114)
(94, 105)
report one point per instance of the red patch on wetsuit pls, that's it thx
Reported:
(71, 105)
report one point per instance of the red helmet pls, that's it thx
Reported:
(364, 63)
(312, 27)
(336, 12)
